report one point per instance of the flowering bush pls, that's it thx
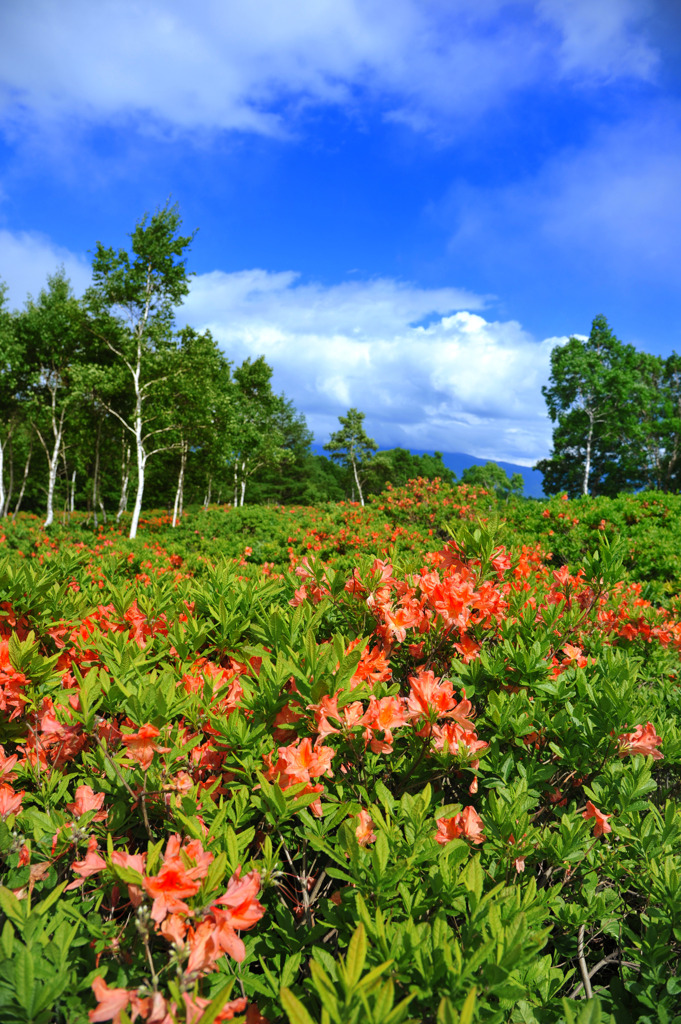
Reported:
(426, 778)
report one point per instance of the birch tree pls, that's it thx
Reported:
(351, 446)
(254, 438)
(51, 333)
(594, 398)
(13, 386)
(133, 301)
(196, 395)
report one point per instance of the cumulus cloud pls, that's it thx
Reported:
(255, 66)
(426, 367)
(27, 258)
(454, 382)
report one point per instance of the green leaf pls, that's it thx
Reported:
(232, 848)
(446, 1014)
(356, 957)
(589, 1013)
(472, 876)
(11, 906)
(49, 901)
(216, 1004)
(381, 852)
(468, 1008)
(295, 1011)
(24, 976)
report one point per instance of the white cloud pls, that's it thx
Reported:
(602, 39)
(461, 383)
(608, 210)
(254, 66)
(27, 258)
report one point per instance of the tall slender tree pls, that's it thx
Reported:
(14, 374)
(132, 303)
(255, 437)
(195, 396)
(52, 333)
(351, 446)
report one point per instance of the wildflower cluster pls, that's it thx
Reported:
(434, 778)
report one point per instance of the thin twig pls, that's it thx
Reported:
(582, 963)
(611, 959)
(154, 976)
(318, 885)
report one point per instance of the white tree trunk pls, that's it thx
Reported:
(206, 500)
(141, 465)
(72, 503)
(53, 462)
(4, 509)
(125, 480)
(587, 461)
(95, 472)
(2, 477)
(139, 444)
(23, 482)
(179, 493)
(359, 489)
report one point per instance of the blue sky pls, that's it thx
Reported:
(403, 204)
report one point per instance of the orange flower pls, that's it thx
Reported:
(174, 929)
(176, 881)
(365, 830)
(458, 739)
(601, 823)
(10, 802)
(11, 683)
(430, 698)
(153, 1009)
(110, 1002)
(167, 889)
(239, 901)
(7, 763)
(384, 715)
(643, 740)
(467, 824)
(195, 1006)
(136, 861)
(141, 745)
(297, 763)
(87, 800)
(204, 948)
(91, 864)
(328, 706)
(236, 909)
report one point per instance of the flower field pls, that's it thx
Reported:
(418, 761)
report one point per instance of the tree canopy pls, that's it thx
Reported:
(616, 415)
(352, 446)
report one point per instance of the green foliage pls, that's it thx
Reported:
(493, 478)
(352, 446)
(466, 856)
(616, 417)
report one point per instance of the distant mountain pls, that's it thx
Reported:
(458, 461)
